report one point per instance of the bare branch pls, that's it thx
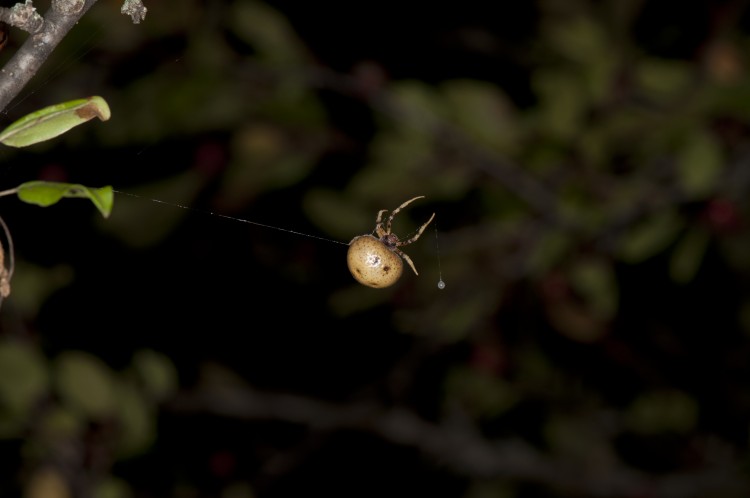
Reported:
(465, 452)
(69, 7)
(59, 19)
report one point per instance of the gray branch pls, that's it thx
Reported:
(461, 450)
(59, 19)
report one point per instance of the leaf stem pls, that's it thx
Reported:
(6, 274)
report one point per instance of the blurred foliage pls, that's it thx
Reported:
(591, 223)
(53, 404)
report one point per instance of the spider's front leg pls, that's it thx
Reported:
(379, 219)
(419, 232)
(379, 225)
(397, 210)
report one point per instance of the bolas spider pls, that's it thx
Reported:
(377, 261)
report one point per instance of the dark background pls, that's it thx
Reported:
(524, 351)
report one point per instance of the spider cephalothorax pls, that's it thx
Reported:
(376, 261)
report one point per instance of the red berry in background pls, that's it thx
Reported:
(722, 216)
(222, 464)
(370, 78)
(555, 287)
(210, 157)
(488, 358)
(53, 172)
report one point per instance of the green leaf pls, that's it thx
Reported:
(662, 411)
(54, 120)
(336, 214)
(575, 439)
(482, 394)
(112, 487)
(60, 423)
(562, 102)
(140, 224)
(137, 421)
(688, 254)
(33, 285)
(585, 42)
(23, 380)
(595, 280)
(485, 112)
(157, 373)
(650, 236)
(86, 384)
(47, 193)
(700, 165)
(549, 250)
(663, 79)
(580, 39)
(268, 31)
(266, 157)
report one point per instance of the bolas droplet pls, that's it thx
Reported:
(441, 285)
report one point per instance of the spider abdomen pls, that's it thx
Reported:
(373, 263)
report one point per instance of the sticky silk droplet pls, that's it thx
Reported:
(440, 284)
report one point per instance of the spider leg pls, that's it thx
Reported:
(379, 219)
(379, 225)
(405, 258)
(396, 211)
(419, 233)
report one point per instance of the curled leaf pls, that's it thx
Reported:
(47, 193)
(54, 120)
